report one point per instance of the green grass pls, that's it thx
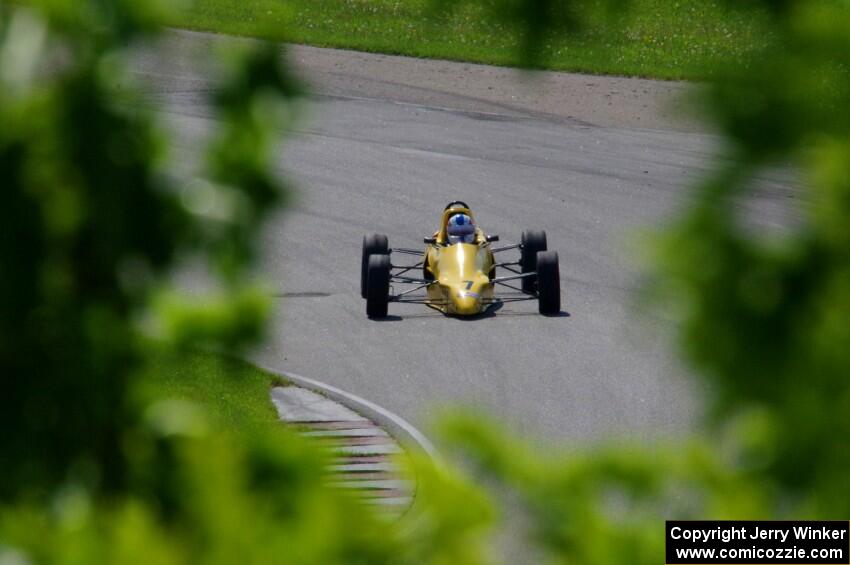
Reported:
(235, 394)
(662, 38)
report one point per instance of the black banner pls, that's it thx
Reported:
(752, 541)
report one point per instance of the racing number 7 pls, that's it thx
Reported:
(468, 284)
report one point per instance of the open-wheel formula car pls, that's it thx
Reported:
(458, 268)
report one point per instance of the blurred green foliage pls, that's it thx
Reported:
(760, 314)
(99, 469)
(92, 221)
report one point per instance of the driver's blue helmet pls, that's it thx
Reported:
(460, 229)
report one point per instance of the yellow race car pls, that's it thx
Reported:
(459, 270)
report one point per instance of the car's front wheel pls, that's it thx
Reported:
(378, 286)
(548, 283)
(372, 244)
(532, 242)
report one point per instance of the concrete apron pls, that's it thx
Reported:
(364, 456)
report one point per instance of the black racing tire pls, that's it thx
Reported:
(372, 244)
(548, 283)
(378, 286)
(532, 242)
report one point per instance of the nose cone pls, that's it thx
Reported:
(462, 300)
(467, 303)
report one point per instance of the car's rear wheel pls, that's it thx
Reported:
(548, 283)
(532, 242)
(378, 286)
(372, 244)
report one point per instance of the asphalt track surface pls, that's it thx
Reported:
(379, 155)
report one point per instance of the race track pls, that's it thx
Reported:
(379, 155)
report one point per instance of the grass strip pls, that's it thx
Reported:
(660, 39)
(234, 393)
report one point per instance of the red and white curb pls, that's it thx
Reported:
(363, 454)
